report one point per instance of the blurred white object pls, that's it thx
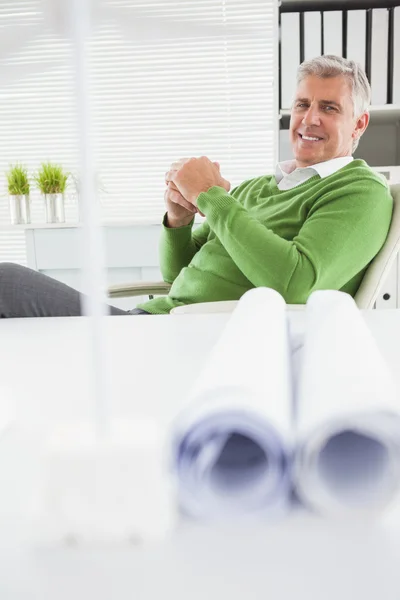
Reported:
(348, 413)
(108, 490)
(233, 439)
(93, 251)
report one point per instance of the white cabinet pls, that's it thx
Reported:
(131, 255)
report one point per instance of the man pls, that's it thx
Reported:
(316, 224)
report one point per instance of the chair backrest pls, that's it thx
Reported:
(380, 266)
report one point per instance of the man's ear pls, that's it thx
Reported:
(361, 125)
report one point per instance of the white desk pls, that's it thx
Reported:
(300, 558)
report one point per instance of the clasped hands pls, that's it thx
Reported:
(185, 180)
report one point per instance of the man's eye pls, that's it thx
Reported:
(300, 105)
(329, 108)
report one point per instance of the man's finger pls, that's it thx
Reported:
(168, 176)
(177, 198)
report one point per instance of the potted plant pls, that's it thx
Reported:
(51, 179)
(18, 193)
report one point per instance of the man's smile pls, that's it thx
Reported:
(309, 138)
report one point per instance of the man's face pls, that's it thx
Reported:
(323, 110)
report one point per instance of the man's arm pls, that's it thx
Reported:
(178, 246)
(339, 238)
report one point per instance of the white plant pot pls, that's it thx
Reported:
(20, 209)
(54, 207)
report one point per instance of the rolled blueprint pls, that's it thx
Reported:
(347, 413)
(233, 440)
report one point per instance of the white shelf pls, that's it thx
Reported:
(387, 113)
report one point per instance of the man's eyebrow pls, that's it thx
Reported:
(332, 102)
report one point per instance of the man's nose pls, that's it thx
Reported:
(312, 116)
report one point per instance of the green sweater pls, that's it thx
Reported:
(318, 235)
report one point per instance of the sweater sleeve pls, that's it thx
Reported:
(343, 232)
(178, 246)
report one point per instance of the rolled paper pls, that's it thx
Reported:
(347, 413)
(232, 442)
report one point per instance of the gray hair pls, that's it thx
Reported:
(334, 66)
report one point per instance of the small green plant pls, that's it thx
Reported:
(51, 178)
(18, 180)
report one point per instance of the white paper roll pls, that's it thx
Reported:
(347, 413)
(232, 442)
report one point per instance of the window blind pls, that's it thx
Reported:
(168, 79)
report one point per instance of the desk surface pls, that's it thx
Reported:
(302, 557)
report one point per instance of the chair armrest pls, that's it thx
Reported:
(139, 288)
(218, 307)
